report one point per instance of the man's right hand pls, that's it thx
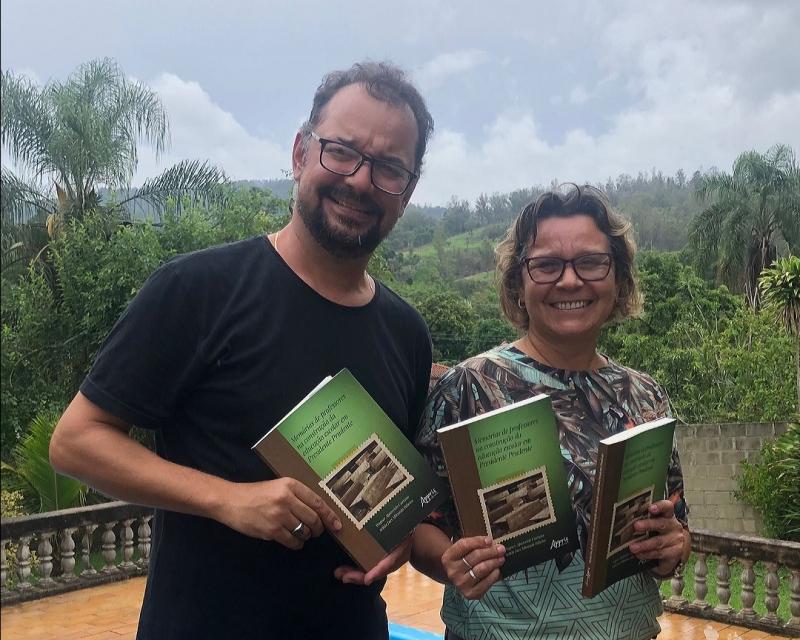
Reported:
(93, 445)
(270, 510)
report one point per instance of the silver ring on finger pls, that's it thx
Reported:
(474, 577)
(299, 531)
(466, 562)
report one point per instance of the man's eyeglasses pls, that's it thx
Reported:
(343, 160)
(589, 267)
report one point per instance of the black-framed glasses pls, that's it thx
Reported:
(343, 160)
(549, 269)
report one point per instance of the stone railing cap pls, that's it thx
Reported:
(11, 528)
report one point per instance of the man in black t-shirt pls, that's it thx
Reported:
(220, 344)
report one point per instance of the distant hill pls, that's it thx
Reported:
(139, 210)
(431, 211)
(282, 188)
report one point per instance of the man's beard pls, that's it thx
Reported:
(338, 242)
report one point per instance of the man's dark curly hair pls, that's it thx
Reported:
(383, 81)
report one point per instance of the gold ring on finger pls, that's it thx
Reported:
(466, 562)
(474, 577)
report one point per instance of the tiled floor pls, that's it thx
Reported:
(111, 612)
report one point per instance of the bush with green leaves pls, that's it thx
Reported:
(772, 485)
(31, 475)
(451, 321)
(719, 360)
(56, 316)
(779, 286)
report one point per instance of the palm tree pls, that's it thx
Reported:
(780, 292)
(76, 136)
(753, 216)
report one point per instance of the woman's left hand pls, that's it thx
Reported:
(668, 543)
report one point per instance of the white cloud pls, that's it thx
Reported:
(694, 102)
(578, 95)
(201, 129)
(434, 72)
(697, 131)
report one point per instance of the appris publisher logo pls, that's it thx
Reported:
(423, 500)
(556, 544)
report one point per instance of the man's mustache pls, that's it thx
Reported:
(346, 194)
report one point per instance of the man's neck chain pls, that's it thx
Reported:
(370, 280)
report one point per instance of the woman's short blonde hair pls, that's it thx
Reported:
(568, 200)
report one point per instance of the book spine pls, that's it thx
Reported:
(592, 545)
(606, 487)
(464, 480)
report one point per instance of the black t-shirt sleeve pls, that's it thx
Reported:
(151, 354)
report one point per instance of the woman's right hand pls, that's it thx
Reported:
(473, 565)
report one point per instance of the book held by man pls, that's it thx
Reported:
(508, 480)
(341, 444)
(631, 474)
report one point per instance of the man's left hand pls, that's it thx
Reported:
(391, 563)
(667, 546)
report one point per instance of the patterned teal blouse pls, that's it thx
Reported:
(545, 601)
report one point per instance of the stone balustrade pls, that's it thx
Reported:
(76, 548)
(54, 552)
(745, 550)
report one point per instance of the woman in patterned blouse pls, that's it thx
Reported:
(565, 270)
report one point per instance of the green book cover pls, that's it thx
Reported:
(509, 482)
(631, 474)
(340, 443)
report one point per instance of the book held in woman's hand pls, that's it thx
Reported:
(342, 445)
(631, 474)
(508, 480)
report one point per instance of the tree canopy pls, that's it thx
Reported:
(68, 139)
(753, 216)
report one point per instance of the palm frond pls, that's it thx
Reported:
(713, 184)
(26, 123)
(20, 201)
(83, 131)
(780, 290)
(32, 470)
(143, 116)
(195, 179)
(705, 228)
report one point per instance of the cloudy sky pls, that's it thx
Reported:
(523, 93)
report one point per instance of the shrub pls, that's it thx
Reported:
(772, 485)
(32, 475)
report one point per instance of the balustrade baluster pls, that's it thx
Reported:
(794, 600)
(127, 545)
(68, 555)
(50, 553)
(3, 565)
(748, 584)
(723, 585)
(771, 600)
(109, 547)
(700, 583)
(86, 555)
(24, 563)
(46, 558)
(144, 541)
(676, 584)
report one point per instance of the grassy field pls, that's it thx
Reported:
(468, 240)
(735, 587)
